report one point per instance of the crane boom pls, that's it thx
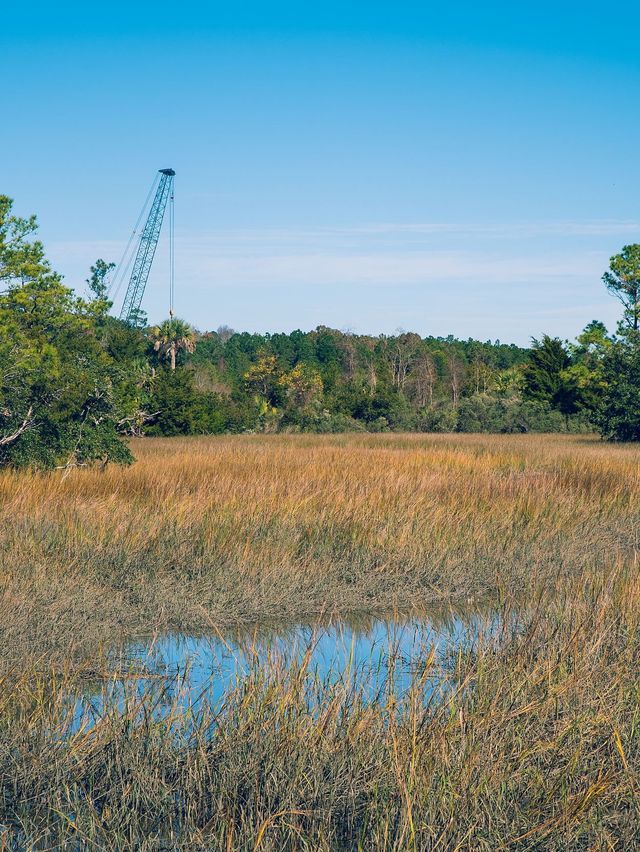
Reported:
(146, 249)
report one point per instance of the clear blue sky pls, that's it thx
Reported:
(462, 168)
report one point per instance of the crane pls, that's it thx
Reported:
(147, 248)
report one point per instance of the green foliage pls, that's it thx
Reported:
(178, 408)
(58, 387)
(171, 337)
(623, 281)
(619, 414)
(485, 413)
(592, 344)
(555, 379)
(439, 418)
(97, 281)
(326, 380)
(262, 377)
(543, 373)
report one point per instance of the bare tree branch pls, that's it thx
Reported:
(26, 423)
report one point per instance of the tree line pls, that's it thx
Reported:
(76, 382)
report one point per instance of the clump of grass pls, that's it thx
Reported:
(532, 743)
(227, 530)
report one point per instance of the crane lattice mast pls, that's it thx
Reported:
(147, 249)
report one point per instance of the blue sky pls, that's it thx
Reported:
(464, 168)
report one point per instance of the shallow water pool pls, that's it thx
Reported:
(371, 655)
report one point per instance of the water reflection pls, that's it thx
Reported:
(369, 653)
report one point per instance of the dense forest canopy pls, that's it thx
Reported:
(75, 381)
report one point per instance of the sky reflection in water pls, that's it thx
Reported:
(373, 654)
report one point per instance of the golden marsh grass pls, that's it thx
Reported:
(240, 528)
(533, 743)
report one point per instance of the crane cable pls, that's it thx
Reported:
(172, 254)
(122, 269)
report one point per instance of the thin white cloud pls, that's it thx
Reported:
(509, 279)
(505, 229)
(264, 239)
(386, 268)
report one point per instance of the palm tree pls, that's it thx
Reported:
(171, 336)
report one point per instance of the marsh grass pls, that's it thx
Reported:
(229, 530)
(530, 740)
(530, 743)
